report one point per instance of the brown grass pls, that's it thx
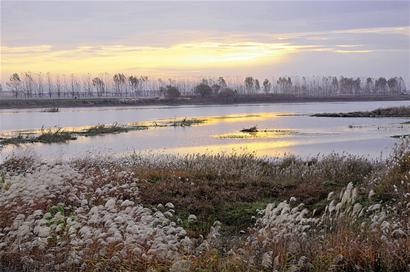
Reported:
(231, 188)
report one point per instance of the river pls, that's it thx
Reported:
(289, 130)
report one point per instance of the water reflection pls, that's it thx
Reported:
(288, 129)
(277, 148)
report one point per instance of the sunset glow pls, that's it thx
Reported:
(198, 39)
(84, 59)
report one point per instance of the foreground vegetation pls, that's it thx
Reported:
(206, 213)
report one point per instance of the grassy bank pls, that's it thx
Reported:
(11, 103)
(381, 112)
(206, 213)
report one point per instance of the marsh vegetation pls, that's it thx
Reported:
(49, 136)
(46, 136)
(381, 112)
(201, 212)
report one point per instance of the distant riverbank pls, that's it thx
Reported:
(12, 103)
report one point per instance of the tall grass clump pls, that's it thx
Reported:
(46, 136)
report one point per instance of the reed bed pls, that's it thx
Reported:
(206, 213)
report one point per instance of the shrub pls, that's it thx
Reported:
(170, 91)
(226, 92)
(203, 90)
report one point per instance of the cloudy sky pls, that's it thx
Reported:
(184, 39)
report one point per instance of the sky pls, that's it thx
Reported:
(214, 38)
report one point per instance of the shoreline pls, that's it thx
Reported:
(12, 103)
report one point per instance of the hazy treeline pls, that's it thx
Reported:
(39, 85)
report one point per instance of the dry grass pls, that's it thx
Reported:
(231, 189)
(381, 112)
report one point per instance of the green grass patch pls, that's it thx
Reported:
(238, 215)
(234, 216)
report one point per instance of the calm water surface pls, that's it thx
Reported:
(302, 135)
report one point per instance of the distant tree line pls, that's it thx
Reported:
(29, 85)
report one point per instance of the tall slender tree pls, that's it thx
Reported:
(15, 84)
(266, 86)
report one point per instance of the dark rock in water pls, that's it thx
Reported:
(251, 129)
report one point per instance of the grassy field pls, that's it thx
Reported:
(206, 213)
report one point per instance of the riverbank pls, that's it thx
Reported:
(206, 213)
(377, 113)
(11, 103)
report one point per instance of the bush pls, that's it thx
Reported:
(203, 90)
(227, 95)
(226, 92)
(170, 91)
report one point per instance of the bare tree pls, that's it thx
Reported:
(58, 86)
(393, 84)
(119, 82)
(249, 84)
(49, 85)
(28, 83)
(134, 84)
(266, 86)
(40, 85)
(14, 84)
(285, 84)
(335, 85)
(381, 85)
(257, 86)
(402, 85)
(73, 86)
(99, 85)
(222, 82)
(87, 86)
(369, 88)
